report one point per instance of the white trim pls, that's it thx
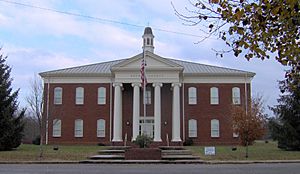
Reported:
(80, 79)
(216, 79)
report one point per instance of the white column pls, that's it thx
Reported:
(136, 110)
(117, 136)
(176, 113)
(157, 112)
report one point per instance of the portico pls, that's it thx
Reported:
(158, 73)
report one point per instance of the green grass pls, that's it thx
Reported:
(27, 152)
(259, 151)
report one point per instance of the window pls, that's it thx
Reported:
(79, 95)
(235, 133)
(101, 128)
(192, 128)
(214, 96)
(148, 96)
(148, 41)
(192, 96)
(236, 96)
(58, 95)
(214, 126)
(78, 131)
(56, 128)
(101, 96)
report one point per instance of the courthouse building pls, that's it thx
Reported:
(103, 102)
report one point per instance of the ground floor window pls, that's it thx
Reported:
(192, 128)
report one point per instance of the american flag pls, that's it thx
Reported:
(143, 77)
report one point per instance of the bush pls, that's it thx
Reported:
(188, 142)
(143, 141)
(37, 140)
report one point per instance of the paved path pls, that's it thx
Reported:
(290, 168)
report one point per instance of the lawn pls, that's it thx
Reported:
(27, 152)
(259, 151)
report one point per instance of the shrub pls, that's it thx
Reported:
(143, 141)
(188, 142)
(37, 140)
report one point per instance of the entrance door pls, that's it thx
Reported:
(148, 127)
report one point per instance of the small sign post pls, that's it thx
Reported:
(210, 150)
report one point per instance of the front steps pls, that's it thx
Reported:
(169, 153)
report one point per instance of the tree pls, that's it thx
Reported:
(286, 126)
(258, 28)
(11, 121)
(35, 102)
(249, 125)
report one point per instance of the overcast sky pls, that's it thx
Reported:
(38, 40)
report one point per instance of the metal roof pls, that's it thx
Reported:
(104, 68)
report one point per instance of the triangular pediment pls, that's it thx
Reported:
(153, 62)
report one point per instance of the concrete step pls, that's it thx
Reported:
(176, 152)
(108, 157)
(111, 151)
(180, 157)
(171, 148)
(118, 147)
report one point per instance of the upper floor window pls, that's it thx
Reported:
(192, 95)
(215, 128)
(102, 95)
(236, 96)
(56, 132)
(148, 96)
(78, 130)
(79, 95)
(58, 95)
(101, 128)
(192, 128)
(214, 96)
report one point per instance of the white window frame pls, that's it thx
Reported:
(214, 96)
(192, 128)
(101, 95)
(78, 128)
(215, 128)
(58, 95)
(100, 128)
(236, 96)
(79, 96)
(148, 96)
(192, 95)
(56, 128)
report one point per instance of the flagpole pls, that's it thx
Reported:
(144, 95)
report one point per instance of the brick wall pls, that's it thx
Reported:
(90, 112)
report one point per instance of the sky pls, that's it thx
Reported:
(37, 40)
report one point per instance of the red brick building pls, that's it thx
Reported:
(103, 102)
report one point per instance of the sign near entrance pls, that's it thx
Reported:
(210, 150)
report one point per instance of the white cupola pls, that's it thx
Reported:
(148, 40)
